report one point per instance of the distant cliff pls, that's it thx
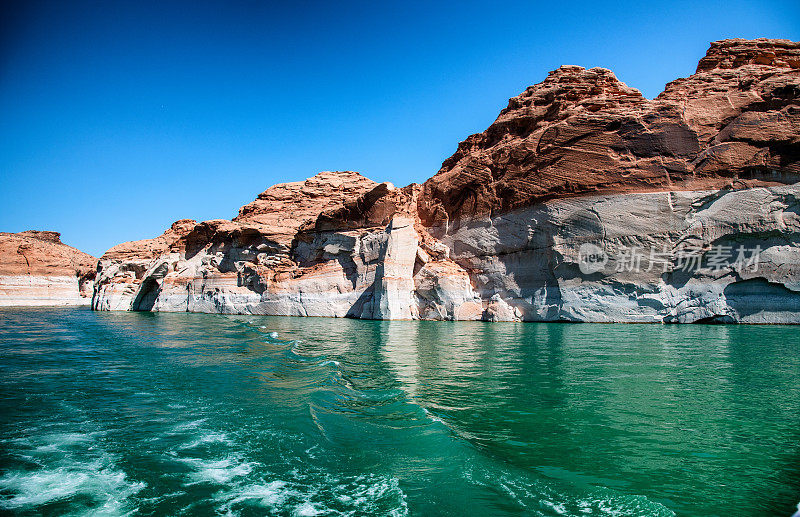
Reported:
(583, 201)
(36, 268)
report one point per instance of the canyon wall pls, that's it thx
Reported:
(583, 201)
(36, 268)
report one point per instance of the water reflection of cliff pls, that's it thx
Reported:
(640, 409)
(625, 406)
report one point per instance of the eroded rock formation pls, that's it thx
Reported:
(36, 268)
(578, 166)
(583, 132)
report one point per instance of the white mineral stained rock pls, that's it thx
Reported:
(524, 265)
(583, 201)
(36, 268)
(530, 259)
(395, 292)
(38, 290)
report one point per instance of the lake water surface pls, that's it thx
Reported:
(191, 414)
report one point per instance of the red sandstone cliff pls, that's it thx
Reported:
(339, 244)
(36, 268)
(734, 123)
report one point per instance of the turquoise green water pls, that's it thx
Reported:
(188, 414)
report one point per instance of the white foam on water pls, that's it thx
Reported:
(72, 465)
(536, 495)
(306, 510)
(188, 426)
(208, 438)
(17, 441)
(161, 498)
(270, 494)
(363, 495)
(69, 438)
(623, 506)
(433, 417)
(62, 442)
(558, 508)
(310, 452)
(98, 480)
(369, 492)
(219, 471)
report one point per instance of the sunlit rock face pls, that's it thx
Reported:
(733, 124)
(664, 256)
(330, 266)
(583, 201)
(36, 268)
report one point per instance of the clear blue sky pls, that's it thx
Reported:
(117, 118)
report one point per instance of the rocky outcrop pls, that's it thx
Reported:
(661, 257)
(318, 262)
(36, 268)
(583, 201)
(283, 209)
(733, 124)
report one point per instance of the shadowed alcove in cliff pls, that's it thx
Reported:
(758, 295)
(147, 295)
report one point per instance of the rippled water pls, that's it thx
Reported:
(189, 414)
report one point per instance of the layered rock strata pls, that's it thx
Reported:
(36, 268)
(583, 201)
